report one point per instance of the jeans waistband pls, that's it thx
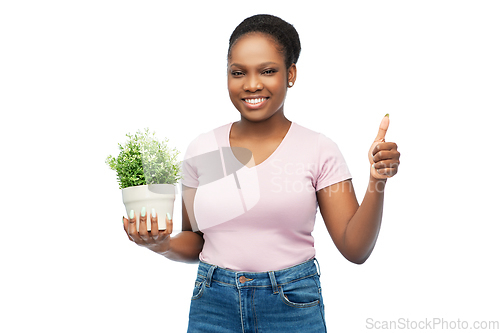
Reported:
(260, 279)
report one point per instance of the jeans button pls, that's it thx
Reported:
(243, 279)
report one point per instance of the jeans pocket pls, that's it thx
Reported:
(302, 293)
(199, 287)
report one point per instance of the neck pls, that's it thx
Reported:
(273, 126)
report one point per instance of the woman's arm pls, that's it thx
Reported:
(354, 228)
(186, 245)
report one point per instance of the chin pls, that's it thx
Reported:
(256, 116)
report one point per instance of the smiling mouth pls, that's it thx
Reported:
(255, 101)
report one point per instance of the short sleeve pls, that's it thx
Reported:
(189, 169)
(199, 157)
(332, 167)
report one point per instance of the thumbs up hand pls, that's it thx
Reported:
(383, 156)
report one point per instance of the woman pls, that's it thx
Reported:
(250, 194)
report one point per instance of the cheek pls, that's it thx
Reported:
(278, 82)
(278, 87)
(234, 93)
(233, 88)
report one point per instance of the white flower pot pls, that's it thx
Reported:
(161, 197)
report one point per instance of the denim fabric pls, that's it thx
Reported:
(287, 300)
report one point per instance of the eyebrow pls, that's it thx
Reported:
(260, 65)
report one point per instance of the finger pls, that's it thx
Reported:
(170, 224)
(386, 164)
(382, 130)
(165, 233)
(132, 228)
(388, 172)
(386, 155)
(143, 227)
(125, 227)
(384, 146)
(154, 224)
(386, 167)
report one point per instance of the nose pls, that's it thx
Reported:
(253, 83)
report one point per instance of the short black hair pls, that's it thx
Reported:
(283, 33)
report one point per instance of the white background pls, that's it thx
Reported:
(76, 76)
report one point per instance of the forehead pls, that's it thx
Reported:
(255, 48)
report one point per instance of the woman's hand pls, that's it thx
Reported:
(383, 156)
(155, 240)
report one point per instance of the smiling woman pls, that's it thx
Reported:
(250, 223)
(258, 78)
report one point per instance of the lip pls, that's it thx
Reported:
(256, 105)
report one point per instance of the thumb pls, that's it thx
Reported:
(382, 130)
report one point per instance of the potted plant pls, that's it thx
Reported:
(147, 171)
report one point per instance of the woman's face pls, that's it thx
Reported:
(258, 77)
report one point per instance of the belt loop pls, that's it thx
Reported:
(317, 264)
(273, 282)
(209, 275)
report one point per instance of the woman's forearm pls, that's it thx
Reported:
(185, 247)
(362, 230)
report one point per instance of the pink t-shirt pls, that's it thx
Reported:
(260, 218)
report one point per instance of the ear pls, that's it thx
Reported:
(292, 74)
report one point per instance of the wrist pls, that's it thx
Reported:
(374, 179)
(376, 184)
(160, 248)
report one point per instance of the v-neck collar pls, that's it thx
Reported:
(228, 142)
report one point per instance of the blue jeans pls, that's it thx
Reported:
(287, 300)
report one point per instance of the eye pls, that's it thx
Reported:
(236, 73)
(269, 71)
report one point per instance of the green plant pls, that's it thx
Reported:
(145, 160)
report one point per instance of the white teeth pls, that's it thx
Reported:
(255, 100)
